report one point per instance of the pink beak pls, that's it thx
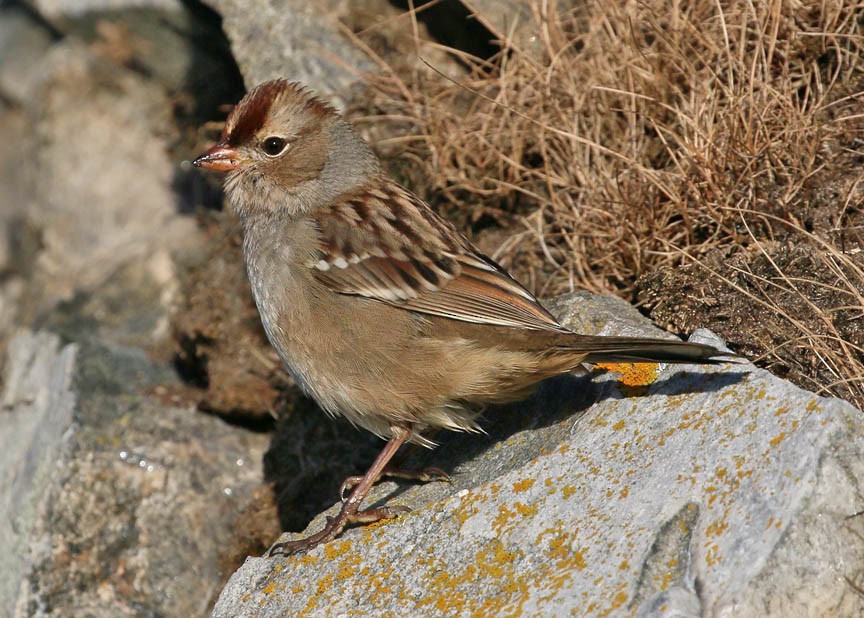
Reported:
(220, 158)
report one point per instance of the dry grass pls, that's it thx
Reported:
(647, 135)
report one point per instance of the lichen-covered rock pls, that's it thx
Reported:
(677, 491)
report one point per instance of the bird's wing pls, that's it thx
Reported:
(386, 244)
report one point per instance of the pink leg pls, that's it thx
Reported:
(421, 476)
(350, 512)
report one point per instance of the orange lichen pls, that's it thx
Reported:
(324, 584)
(335, 549)
(349, 566)
(523, 485)
(716, 528)
(526, 510)
(503, 519)
(579, 560)
(634, 377)
(663, 580)
(778, 438)
(712, 556)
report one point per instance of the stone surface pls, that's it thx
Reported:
(295, 39)
(135, 502)
(17, 240)
(36, 410)
(16, 186)
(515, 21)
(104, 196)
(117, 498)
(23, 43)
(58, 10)
(677, 491)
(153, 35)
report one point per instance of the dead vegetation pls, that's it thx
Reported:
(637, 138)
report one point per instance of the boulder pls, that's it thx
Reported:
(23, 43)
(154, 36)
(112, 501)
(38, 403)
(295, 39)
(104, 194)
(513, 24)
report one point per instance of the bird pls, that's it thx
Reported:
(382, 311)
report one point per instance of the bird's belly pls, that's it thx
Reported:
(325, 342)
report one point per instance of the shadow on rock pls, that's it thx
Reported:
(310, 455)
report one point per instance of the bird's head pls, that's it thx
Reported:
(277, 146)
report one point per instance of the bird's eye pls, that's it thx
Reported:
(273, 146)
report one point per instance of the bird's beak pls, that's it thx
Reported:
(220, 158)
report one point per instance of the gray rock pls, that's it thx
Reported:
(131, 308)
(295, 39)
(58, 10)
(35, 412)
(113, 503)
(718, 491)
(23, 42)
(153, 35)
(18, 243)
(104, 196)
(512, 21)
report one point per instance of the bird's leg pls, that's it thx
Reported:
(350, 512)
(421, 476)
(394, 469)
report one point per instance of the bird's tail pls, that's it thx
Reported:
(573, 349)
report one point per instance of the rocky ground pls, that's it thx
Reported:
(150, 441)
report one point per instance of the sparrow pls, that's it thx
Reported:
(381, 309)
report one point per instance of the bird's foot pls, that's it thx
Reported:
(335, 526)
(350, 512)
(421, 476)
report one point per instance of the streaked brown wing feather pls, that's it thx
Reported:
(485, 296)
(387, 244)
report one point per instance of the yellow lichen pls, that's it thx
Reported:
(778, 438)
(335, 549)
(633, 376)
(716, 528)
(523, 485)
(579, 560)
